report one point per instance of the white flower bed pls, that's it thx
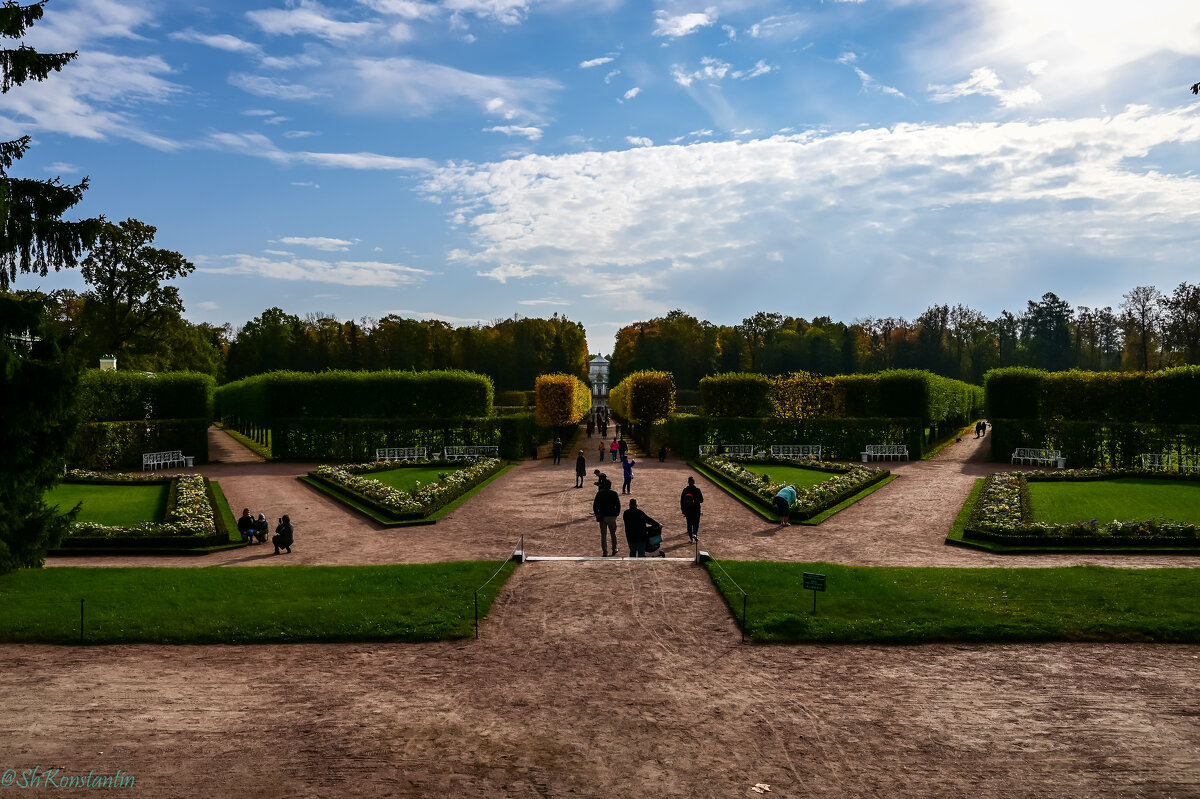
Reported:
(422, 500)
(190, 515)
(843, 482)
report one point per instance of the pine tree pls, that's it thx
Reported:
(37, 385)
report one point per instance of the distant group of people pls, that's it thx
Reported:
(981, 428)
(598, 420)
(254, 531)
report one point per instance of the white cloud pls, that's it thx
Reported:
(639, 141)
(712, 69)
(531, 133)
(345, 273)
(544, 301)
(270, 87)
(985, 81)
(1037, 67)
(288, 62)
(405, 9)
(608, 78)
(760, 68)
(730, 31)
(221, 41)
(258, 112)
(682, 24)
(310, 185)
(634, 92)
(307, 17)
(298, 134)
(323, 243)
(595, 62)
(785, 26)
(259, 146)
(72, 28)
(506, 12)
(878, 207)
(206, 305)
(59, 168)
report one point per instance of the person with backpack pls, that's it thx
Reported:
(689, 505)
(638, 529)
(607, 507)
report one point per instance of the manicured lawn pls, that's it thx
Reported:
(117, 505)
(1124, 498)
(896, 605)
(406, 479)
(797, 476)
(244, 605)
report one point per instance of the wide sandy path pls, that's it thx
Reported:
(903, 524)
(611, 679)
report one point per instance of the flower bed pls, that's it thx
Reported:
(844, 482)
(191, 518)
(1003, 514)
(404, 505)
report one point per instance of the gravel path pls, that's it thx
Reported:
(903, 524)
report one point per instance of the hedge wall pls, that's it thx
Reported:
(940, 403)
(841, 439)
(561, 400)
(643, 397)
(264, 398)
(736, 394)
(1166, 397)
(111, 396)
(355, 440)
(1087, 444)
(104, 446)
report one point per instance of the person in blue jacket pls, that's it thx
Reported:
(783, 504)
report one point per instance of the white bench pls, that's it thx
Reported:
(885, 452)
(471, 452)
(810, 452)
(1161, 462)
(399, 453)
(1049, 457)
(729, 450)
(154, 460)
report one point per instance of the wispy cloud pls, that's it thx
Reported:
(634, 92)
(531, 133)
(345, 273)
(324, 243)
(675, 26)
(985, 81)
(595, 62)
(307, 17)
(220, 41)
(264, 86)
(259, 146)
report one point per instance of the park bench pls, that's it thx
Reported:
(885, 452)
(399, 453)
(1048, 457)
(810, 452)
(471, 452)
(728, 450)
(1161, 462)
(165, 460)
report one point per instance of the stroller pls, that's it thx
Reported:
(654, 540)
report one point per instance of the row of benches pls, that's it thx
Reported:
(166, 460)
(1151, 461)
(450, 453)
(804, 451)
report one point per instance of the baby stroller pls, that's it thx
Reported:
(654, 540)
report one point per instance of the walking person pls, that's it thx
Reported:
(533, 447)
(580, 469)
(636, 529)
(591, 426)
(284, 535)
(626, 474)
(602, 480)
(783, 504)
(622, 448)
(689, 505)
(607, 507)
(614, 448)
(603, 450)
(557, 451)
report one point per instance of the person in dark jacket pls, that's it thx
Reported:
(261, 528)
(557, 451)
(245, 526)
(689, 505)
(637, 529)
(622, 449)
(602, 480)
(283, 535)
(607, 507)
(580, 469)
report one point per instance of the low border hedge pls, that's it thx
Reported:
(809, 502)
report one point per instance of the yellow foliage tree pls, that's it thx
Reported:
(561, 400)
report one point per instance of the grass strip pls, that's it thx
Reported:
(905, 605)
(112, 504)
(1063, 502)
(752, 501)
(352, 502)
(264, 604)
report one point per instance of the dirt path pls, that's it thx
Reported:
(610, 679)
(903, 524)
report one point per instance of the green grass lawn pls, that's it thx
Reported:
(896, 605)
(243, 605)
(117, 505)
(1124, 498)
(406, 479)
(796, 475)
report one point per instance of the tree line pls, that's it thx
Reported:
(1149, 330)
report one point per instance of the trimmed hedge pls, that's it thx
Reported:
(736, 394)
(119, 445)
(111, 396)
(940, 403)
(1167, 397)
(350, 440)
(562, 400)
(265, 398)
(643, 397)
(521, 399)
(841, 439)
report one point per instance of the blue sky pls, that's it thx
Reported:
(610, 161)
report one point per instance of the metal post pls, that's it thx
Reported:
(814, 602)
(477, 614)
(81, 620)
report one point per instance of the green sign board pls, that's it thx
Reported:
(814, 582)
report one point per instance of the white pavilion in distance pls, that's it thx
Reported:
(598, 374)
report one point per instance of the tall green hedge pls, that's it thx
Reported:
(939, 402)
(735, 394)
(562, 400)
(300, 439)
(120, 445)
(356, 395)
(112, 396)
(643, 397)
